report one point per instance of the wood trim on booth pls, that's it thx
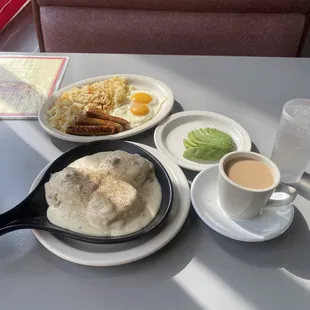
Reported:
(37, 18)
(304, 36)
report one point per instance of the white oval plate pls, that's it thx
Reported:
(139, 81)
(123, 253)
(270, 224)
(170, 133)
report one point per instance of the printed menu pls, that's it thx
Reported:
(26, 82)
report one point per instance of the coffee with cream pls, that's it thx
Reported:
(250, 173)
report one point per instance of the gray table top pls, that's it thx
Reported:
(199, 269)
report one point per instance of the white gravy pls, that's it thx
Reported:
(92, 207)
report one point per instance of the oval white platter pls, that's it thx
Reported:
(170, 133)
(124, 253)
(138, 81)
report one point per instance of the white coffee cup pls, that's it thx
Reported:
(240, 202)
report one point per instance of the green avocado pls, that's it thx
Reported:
(188, 143)
(208, 144)
(203, 153)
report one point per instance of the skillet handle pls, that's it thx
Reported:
(17, 218)
(9, 219)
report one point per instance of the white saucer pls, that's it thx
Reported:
(170, 133)
(123, 253)
(270, 224)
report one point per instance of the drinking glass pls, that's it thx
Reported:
(291, 150)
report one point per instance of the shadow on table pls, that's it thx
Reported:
(254, 148)
(290, 250)
(62, 145)
(128, 286)
(20, 164)
(177, 107)
(256, 271)
(164, 264)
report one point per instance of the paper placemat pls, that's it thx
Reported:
(26, 82)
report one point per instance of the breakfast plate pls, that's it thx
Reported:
(271, 223)
(123, 253)
(170, 133)
(141, 83)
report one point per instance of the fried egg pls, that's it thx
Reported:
(141, 106)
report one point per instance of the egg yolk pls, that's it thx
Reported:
(141, 98)
(139, 109)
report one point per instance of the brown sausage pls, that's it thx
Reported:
(101, 115)
(84, 120)
(90, 130)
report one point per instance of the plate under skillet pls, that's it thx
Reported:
(123, 253)
(105, 146)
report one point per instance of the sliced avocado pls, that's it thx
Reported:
(207, 144)
(202, 137)
(193, 139)
(188, 143)
(202, 133)
(203, 153)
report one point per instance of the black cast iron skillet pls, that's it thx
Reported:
(31, 212)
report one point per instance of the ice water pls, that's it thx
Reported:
(291, 150)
